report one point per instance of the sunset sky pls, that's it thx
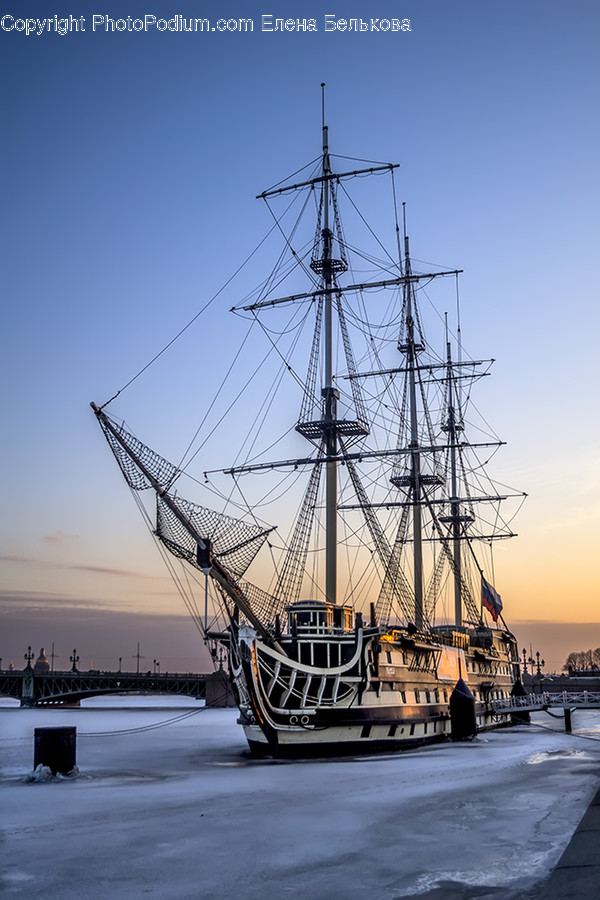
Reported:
(130, 166)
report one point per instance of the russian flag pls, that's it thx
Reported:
(491, 599)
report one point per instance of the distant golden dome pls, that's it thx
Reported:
(41, 664)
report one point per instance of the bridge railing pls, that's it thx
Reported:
(589, 699)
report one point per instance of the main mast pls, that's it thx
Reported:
(330, 395)
(410, 349)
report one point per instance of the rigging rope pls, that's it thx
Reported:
(370, 230)
(191, 322)
(142, 728)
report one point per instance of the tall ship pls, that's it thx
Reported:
(351, 616)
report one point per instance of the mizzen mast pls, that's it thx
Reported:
(453, 427)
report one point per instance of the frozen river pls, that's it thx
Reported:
(168, 805)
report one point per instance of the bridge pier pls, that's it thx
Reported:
(218, 690)
(27, 689)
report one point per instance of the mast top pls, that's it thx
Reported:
(326, 166)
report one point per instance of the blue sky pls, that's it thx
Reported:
(131, 163)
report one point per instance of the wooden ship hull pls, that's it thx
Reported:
(369, 690)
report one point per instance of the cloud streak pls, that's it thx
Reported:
(79, 567)
(42, 600)
(59, 537)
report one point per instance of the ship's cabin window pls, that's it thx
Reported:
(342, 618)
(317, 617)
(314, 618)
(388, 656)
(310, 617)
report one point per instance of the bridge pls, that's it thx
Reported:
(544, 701)
(60, 688)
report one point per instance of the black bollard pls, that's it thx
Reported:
(462, 712)
(519, 718)
(55, 748)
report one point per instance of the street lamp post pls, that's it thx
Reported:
(540, 663)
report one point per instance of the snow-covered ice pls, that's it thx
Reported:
(167, 804)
